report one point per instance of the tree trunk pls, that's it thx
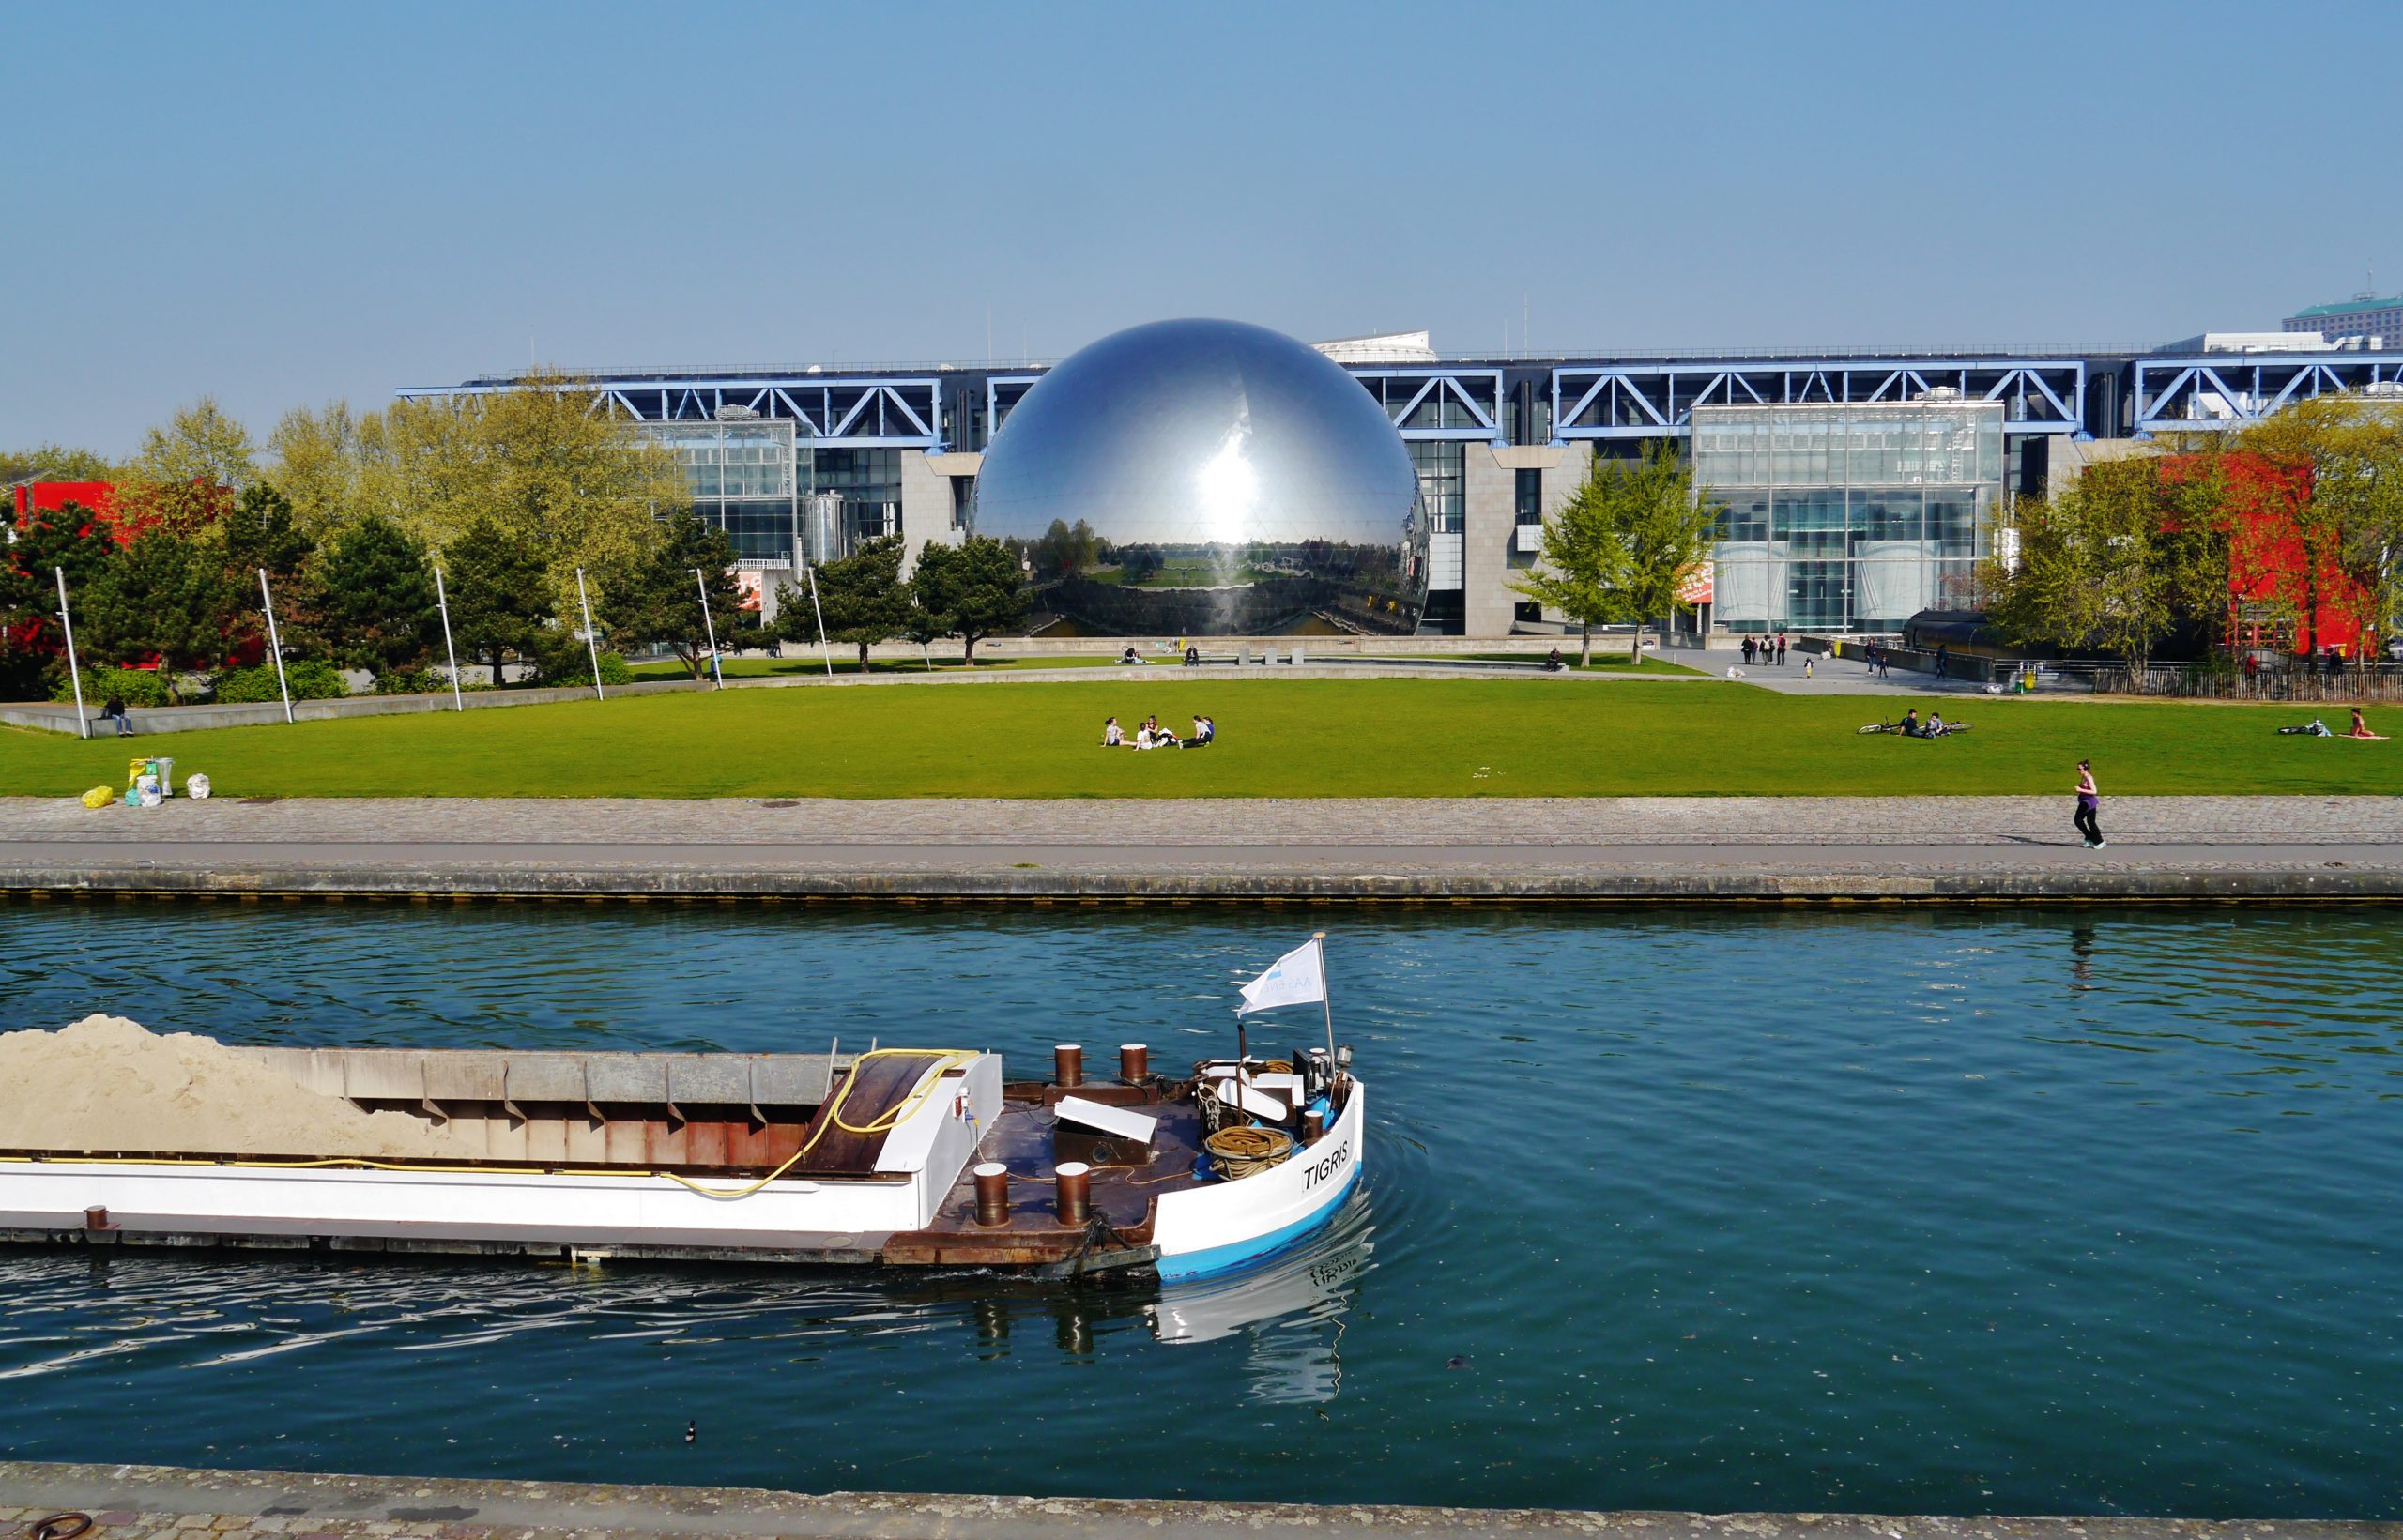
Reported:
(1585, 644)
(863, 657)
(1635, 647)
(968, 649)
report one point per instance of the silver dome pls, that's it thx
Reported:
(1232, 480)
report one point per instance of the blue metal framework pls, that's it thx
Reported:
(1002, 392)
(1657, 399)
(1438, 402)
(2206, 394)
(860, 413)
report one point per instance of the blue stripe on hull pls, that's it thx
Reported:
(1235, 1254)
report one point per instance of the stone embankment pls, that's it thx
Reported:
(157, 1502)
(1600, 849)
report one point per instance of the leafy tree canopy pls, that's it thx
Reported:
(662, 600)
(971, 591)
(500, 593)
(167, 597)
(379, 602)
(865, 599)
(1623, 544)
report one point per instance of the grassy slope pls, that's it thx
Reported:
(1302, 737)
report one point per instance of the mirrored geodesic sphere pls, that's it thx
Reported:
(1207, 479)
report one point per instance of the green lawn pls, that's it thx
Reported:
(1299, 738)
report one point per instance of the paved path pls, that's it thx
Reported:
(157, 1503)
(1601, 847)
(1827, 675)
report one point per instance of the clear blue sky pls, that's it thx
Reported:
(287, 205)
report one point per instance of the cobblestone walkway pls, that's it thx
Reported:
(1379, 822)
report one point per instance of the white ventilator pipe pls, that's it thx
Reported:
(592, 647)
(711, 626)
(74, 669)
(443, 601)
(275, 643)
(823, 650)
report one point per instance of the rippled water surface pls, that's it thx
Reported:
(1994, 1213)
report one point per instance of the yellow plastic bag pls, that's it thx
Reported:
(99, 797)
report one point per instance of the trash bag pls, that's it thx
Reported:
(196, 787)
(100, 797)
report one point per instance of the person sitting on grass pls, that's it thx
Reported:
(1161, 737)
(1936, 724)
(1910, 721)
(1203, 730)
(1111, 736)
(2361, 728)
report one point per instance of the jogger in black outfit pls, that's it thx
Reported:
(2090, 802)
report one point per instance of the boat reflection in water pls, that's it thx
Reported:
(1291, 1305)
(1207, 479)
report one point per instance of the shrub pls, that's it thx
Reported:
(310, 679)
(138, 686)
(613, 671)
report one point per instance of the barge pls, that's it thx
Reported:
(897, 1157)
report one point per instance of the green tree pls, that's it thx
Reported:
(865, 599)
(971, 591)
(662, 600)
(260, 531)
(500, 594)
(166, 596)
(183, 479)
(2124, 556)
(380, 605)
(71, 537)
(1623, 544)
(583, 488)
(53, 462)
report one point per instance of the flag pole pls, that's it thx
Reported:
(275, 643)
(74, 670)
(1325, 993)
(442, 600)
(712, 627)
(592, 643)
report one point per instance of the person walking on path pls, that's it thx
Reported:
(2090, 802)
(1781, 649)
(1748, 653)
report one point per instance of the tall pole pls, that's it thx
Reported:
(592, 647)
(74, 670)
(711, 626)
(1326, 994)
(443, 600)
(275, 643)
(823, 650)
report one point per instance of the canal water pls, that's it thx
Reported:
(2022, 1212)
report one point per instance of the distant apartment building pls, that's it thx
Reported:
(2364, 315)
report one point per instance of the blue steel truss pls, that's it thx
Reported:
(1438, 402)
(1002, 392)
(840, 413)
(1657, 399)
(2220, 391)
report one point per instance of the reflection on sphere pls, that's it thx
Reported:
(1207, 479)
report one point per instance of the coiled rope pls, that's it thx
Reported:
(1242, 1152)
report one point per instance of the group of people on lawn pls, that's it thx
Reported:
(1149, 734)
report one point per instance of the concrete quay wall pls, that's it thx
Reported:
(160, 1502)
(1034, 883)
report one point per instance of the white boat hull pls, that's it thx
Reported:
(1231, 1224)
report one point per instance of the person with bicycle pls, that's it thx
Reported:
(1910, 722)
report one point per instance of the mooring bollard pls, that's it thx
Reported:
(992, 1193)
(1074, 1186)
(1068, 1064)
(95, 1219)
(1134, 1062)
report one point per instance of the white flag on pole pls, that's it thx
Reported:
(1297, 977)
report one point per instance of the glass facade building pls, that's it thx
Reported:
(747, 476)
(1848, 516)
